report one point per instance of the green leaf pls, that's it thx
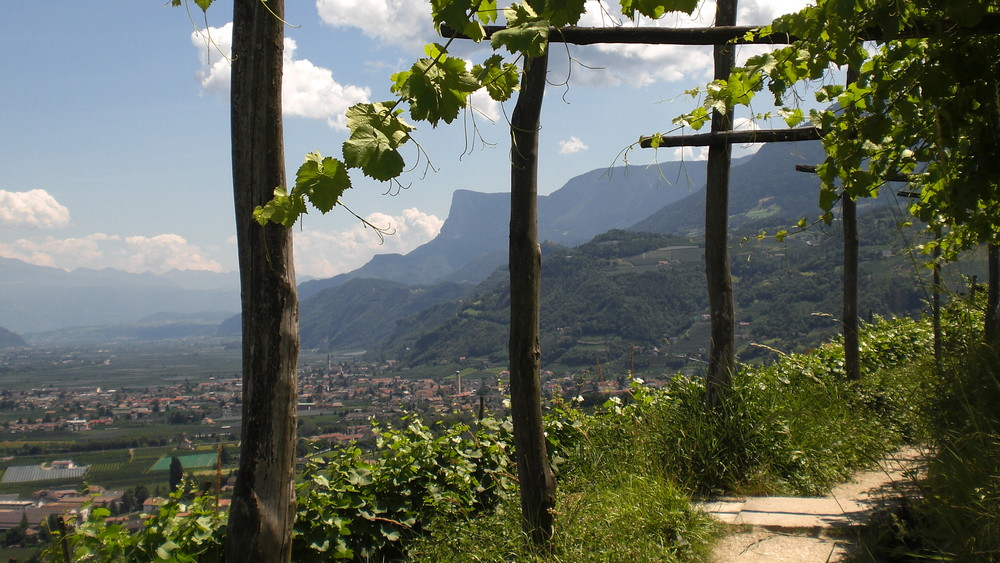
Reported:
(457, 13)
(322, 180)
(437, 87)
(203, 4)
(695, 120)
(656, 9)
(165, 550)
(559, 12)
(389, 533)
(500, 79)
(376, 133)
(792, 117)
(526, 32)
(284, 209)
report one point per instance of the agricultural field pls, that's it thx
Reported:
(116, 469)
(119, 365)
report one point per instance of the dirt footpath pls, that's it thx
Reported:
(805, 530)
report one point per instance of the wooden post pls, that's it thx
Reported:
(992, 295)
(722, 347)
(849, 216)
(936, 301)
(263, 507)
(534, 473)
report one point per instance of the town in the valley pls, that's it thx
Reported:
(66, 448)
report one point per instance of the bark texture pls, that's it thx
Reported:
(992, 322)
(534, 473)
(852, 354)
(263, 508)
(722, 348)
(849, 213)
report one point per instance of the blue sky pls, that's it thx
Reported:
(114, 126)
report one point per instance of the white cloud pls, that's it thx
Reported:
(215, 45)
(484, 105)
(393, 22)
(135, 254)
(406, 23)
(642, 65)
(572, 145)
(307, 90)
(31, 209)
(161, 253)
(745, 124)
(326, 253)
(688, 154)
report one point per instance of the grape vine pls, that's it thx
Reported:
(917, 108)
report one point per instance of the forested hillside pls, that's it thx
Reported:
(360, 312)
(627, 289)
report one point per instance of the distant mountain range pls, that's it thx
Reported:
(472, 243)
(667, 198)
(764, 186)
(38, 298)
(473, 240)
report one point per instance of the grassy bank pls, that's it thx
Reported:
(954, 515)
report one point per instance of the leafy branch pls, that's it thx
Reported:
(435, 89)
(915, 106)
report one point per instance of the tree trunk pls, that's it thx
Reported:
(852, 354)
(722, 348)
(263, 507)
(533, 470)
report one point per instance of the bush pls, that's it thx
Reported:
(179, 531)
(352, 507)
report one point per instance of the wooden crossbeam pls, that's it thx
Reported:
(735, 137)
(811, 169)
(715, 35)
(739, 34)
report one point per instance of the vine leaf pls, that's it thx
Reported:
(437, 86)
(284, 209)
(527, 32)
(500, 79)
(376, 132)
(656, 9)
(203, 4)
(456, 15)
(322, 180)
(559, 12)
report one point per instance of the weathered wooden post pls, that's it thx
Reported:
(534, 473)
(722, 347)
(992, 295)
(849, 216)
(263, 508)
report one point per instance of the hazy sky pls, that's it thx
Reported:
(114, 126)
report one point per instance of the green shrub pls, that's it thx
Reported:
(352, 507)
(179, 531)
